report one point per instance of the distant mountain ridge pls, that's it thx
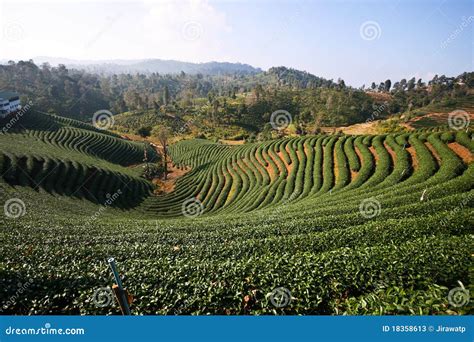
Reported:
(148, 66)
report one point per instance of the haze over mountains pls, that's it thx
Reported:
(148, 66)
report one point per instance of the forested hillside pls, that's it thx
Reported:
(239, 98)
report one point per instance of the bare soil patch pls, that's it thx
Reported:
(431, 119)
(392, 153)
(167, 185)
(232, 142)
(462, 152)
(288, 167)
(433, 152)
(269, 167)
(277, 162)
(379, 96)
(359, 155)
(374, 153)
(264, 163)
(356, 129)
(414, 158)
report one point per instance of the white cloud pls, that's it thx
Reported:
(186, 30)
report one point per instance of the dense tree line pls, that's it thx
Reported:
(240, 99)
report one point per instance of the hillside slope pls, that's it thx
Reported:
(346, 225)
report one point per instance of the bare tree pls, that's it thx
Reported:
(163, 134)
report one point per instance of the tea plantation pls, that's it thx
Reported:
(345, 224)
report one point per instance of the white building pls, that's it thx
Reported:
(9, 103)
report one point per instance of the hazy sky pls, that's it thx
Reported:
(359, 41)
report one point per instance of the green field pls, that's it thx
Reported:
(347, 224)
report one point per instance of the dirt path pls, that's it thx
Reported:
(392, 154)
(374, 153)
(174, 173)
(289, 167)
(277, 162)
(168, 185)
(414, 158)
(434, 152)
(336, 166)
(264, 164)
(356, 129)
(232, 142)
(354, 174)
(269, 168)
(462, 152)
(440, 118)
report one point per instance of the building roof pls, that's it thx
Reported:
(7, 95)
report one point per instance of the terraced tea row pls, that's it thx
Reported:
(77, 136)
(70, 178)
(345, 224)
(70, 158)
(240, 179)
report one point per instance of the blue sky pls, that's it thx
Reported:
(359, 41)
